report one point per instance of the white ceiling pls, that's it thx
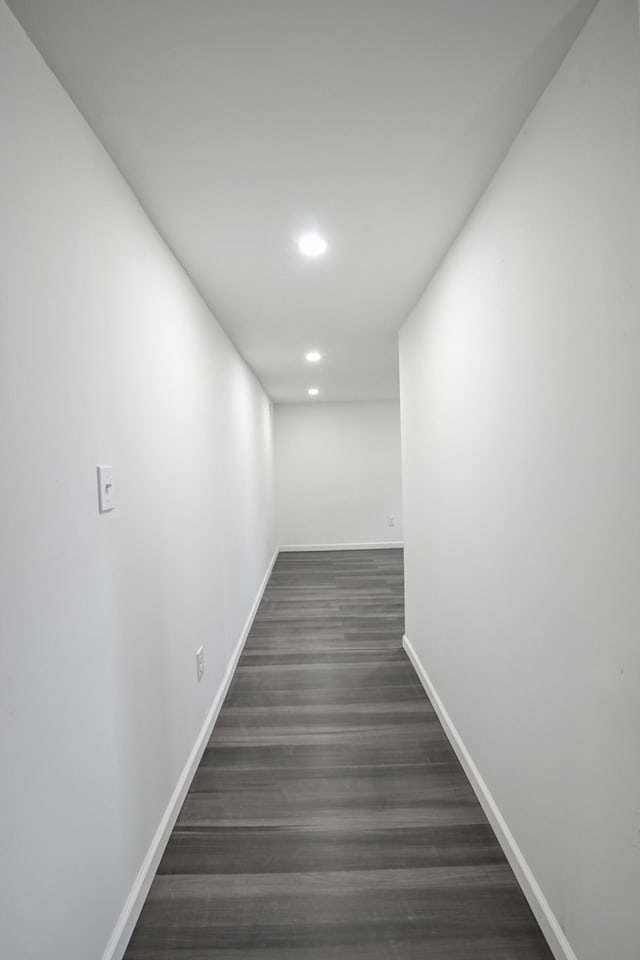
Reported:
(239, 123)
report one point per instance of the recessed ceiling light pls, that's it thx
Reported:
(312, 245)
(313, 356)
(313, 391)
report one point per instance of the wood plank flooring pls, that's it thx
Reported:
(329, 818)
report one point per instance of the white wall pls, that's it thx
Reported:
(107, 355)
(520, 399)
(338, 473)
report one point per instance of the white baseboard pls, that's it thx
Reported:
(560, 946)
(378, 545)
(135, 901)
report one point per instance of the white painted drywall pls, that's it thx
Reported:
(107, 355)
(338, 473)
(520, 400)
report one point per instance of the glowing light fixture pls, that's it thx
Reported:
(313, 356)
(312, 244)
(313, 391)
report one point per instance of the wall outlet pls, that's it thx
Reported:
(200, 663)
(391, 521)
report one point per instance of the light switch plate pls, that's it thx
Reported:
(200, 663)
(106, 498)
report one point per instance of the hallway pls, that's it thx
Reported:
(329, 818)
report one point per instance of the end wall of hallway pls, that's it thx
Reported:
(338, 475)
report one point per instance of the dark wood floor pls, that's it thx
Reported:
(329, 818)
